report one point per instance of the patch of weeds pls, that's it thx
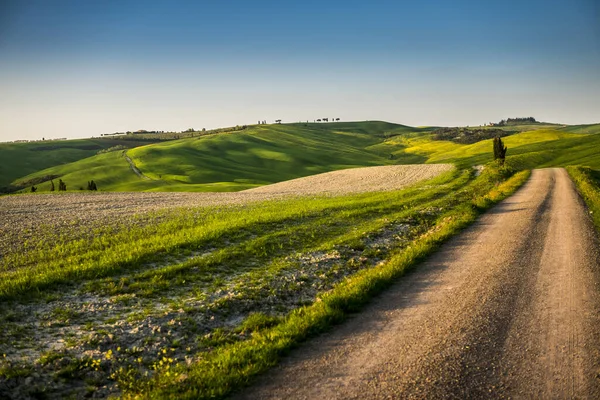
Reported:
(216, 338)
(136, 316)
(15, 330)
(70, 368)
(71, 340)
(50, 297)
(124, 299)
(112, 320)
(63, 315)
(357, 245)
(10, 370)
(100, 337)
(10, 316)
(257, 321)
(88, 326)
(129, 378)
(50, 356)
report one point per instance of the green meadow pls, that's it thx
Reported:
(21, 162)
(233, 161)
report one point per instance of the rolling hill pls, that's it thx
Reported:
(235, 161)
(23, 159)
(265, 154)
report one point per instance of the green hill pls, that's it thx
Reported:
(533, 149)
(590, 128)
(259, 155)
(264, 154)
(22, 159)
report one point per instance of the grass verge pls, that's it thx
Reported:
(587, 182)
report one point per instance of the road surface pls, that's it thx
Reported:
(509, 308)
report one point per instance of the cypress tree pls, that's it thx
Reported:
(499, 150)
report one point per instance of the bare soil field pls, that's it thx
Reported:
(356, 180)
(27, 217)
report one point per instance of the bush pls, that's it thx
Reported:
(466, 135)
(92, 185)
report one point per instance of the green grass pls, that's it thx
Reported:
(50, 264)
(233, 365)
(587, 181)
(110, 171)
(589, 128)
(22, 159)
(533, 149)
(186, 265)
(263, 154)
(238, 160)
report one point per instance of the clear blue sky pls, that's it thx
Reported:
(71, 68)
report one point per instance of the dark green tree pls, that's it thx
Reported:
(62, 186)
(499, 150)
(33, 189)
(51, 185)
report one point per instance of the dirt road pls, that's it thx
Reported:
(134, 168)
(507, 309)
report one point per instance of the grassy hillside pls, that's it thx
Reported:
(110, 171)
(590, 128)
(264, 154)
(529, 127)
(539, 148)
(235, 161)
(22, 159)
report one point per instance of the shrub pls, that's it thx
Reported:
(499, 150)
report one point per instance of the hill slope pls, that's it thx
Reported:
(266, 154)
(538, 148)
(22, 159)
(235, 161)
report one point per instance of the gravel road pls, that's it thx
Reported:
(507, 309)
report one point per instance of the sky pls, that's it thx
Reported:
(71, 68)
